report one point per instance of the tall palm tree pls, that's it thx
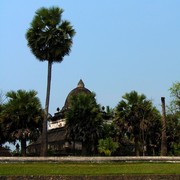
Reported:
(50, 39)
(22, 117)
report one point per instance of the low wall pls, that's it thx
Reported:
(92, 159)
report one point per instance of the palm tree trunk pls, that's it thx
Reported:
(163, 138)
(74, 150)
(44, 141)
(136, 141)
(23, 147)
(84, 149)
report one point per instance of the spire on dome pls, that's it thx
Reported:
(80, 84)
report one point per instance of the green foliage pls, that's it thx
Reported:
(23, 108)
(173, 121)
(139, 121)
(22, 116)
(109, 130)
(84, 121)
(107, 146)
(173, 134)
(175, 94)
(49, 37)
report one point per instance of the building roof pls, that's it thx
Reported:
(54, 136)
(79, 89)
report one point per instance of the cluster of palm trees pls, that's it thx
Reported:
(133, 127)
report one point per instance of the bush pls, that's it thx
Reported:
(107, 146)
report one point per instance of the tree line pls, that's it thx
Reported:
(133, 127)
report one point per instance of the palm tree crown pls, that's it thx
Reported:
(49, 37)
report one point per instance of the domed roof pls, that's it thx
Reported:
(79, 89)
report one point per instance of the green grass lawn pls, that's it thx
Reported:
(46, 169)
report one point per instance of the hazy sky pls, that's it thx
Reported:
(119, 46)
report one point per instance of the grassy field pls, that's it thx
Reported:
(45, 169)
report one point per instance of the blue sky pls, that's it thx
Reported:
(120, 46)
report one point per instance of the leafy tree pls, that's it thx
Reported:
(50, 39)
(134, 117)
(22, 117)
(173, 134)
(84, 121)
(175, 95)
(173, 121)
(107, 146)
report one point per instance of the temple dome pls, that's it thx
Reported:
(79, 89)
